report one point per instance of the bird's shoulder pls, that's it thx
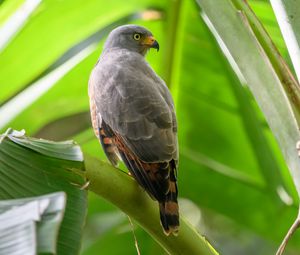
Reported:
(124, 64)
(121, 58)
(124, 70)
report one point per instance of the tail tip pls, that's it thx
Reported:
(174, 230)
(169, 220)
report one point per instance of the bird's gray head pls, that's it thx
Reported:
(132, 37)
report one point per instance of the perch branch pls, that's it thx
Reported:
(121, 190)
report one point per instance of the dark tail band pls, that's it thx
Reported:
(169, 211)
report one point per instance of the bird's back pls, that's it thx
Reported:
(134, 117)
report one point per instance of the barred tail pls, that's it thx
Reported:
(169, 214)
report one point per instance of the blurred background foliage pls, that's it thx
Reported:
(233, 181)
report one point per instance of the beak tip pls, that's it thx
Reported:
(155, 45)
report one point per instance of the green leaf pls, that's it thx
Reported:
(267, 75)
(228, 156)
(31, 225)
(61, 150)
(29, 167)
(287, 14)
(7, 8)
(51, 39)
(260, 76)
(263, 10)
(16, 21)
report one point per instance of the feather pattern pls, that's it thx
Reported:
(133, 115)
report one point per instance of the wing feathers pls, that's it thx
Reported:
(133, 115)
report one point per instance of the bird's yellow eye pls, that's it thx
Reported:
(136, 36)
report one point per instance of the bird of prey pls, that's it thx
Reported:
(133, 116)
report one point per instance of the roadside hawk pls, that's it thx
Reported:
(133, 116)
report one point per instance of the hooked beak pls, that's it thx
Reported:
(150, 42)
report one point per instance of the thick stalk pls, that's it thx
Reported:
(173, 18)
(121, 190)
(287, 79)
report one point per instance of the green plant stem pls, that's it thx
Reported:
(253, 127)
(263, 80)
(290, 84)
(121, 190)
(173, 18)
